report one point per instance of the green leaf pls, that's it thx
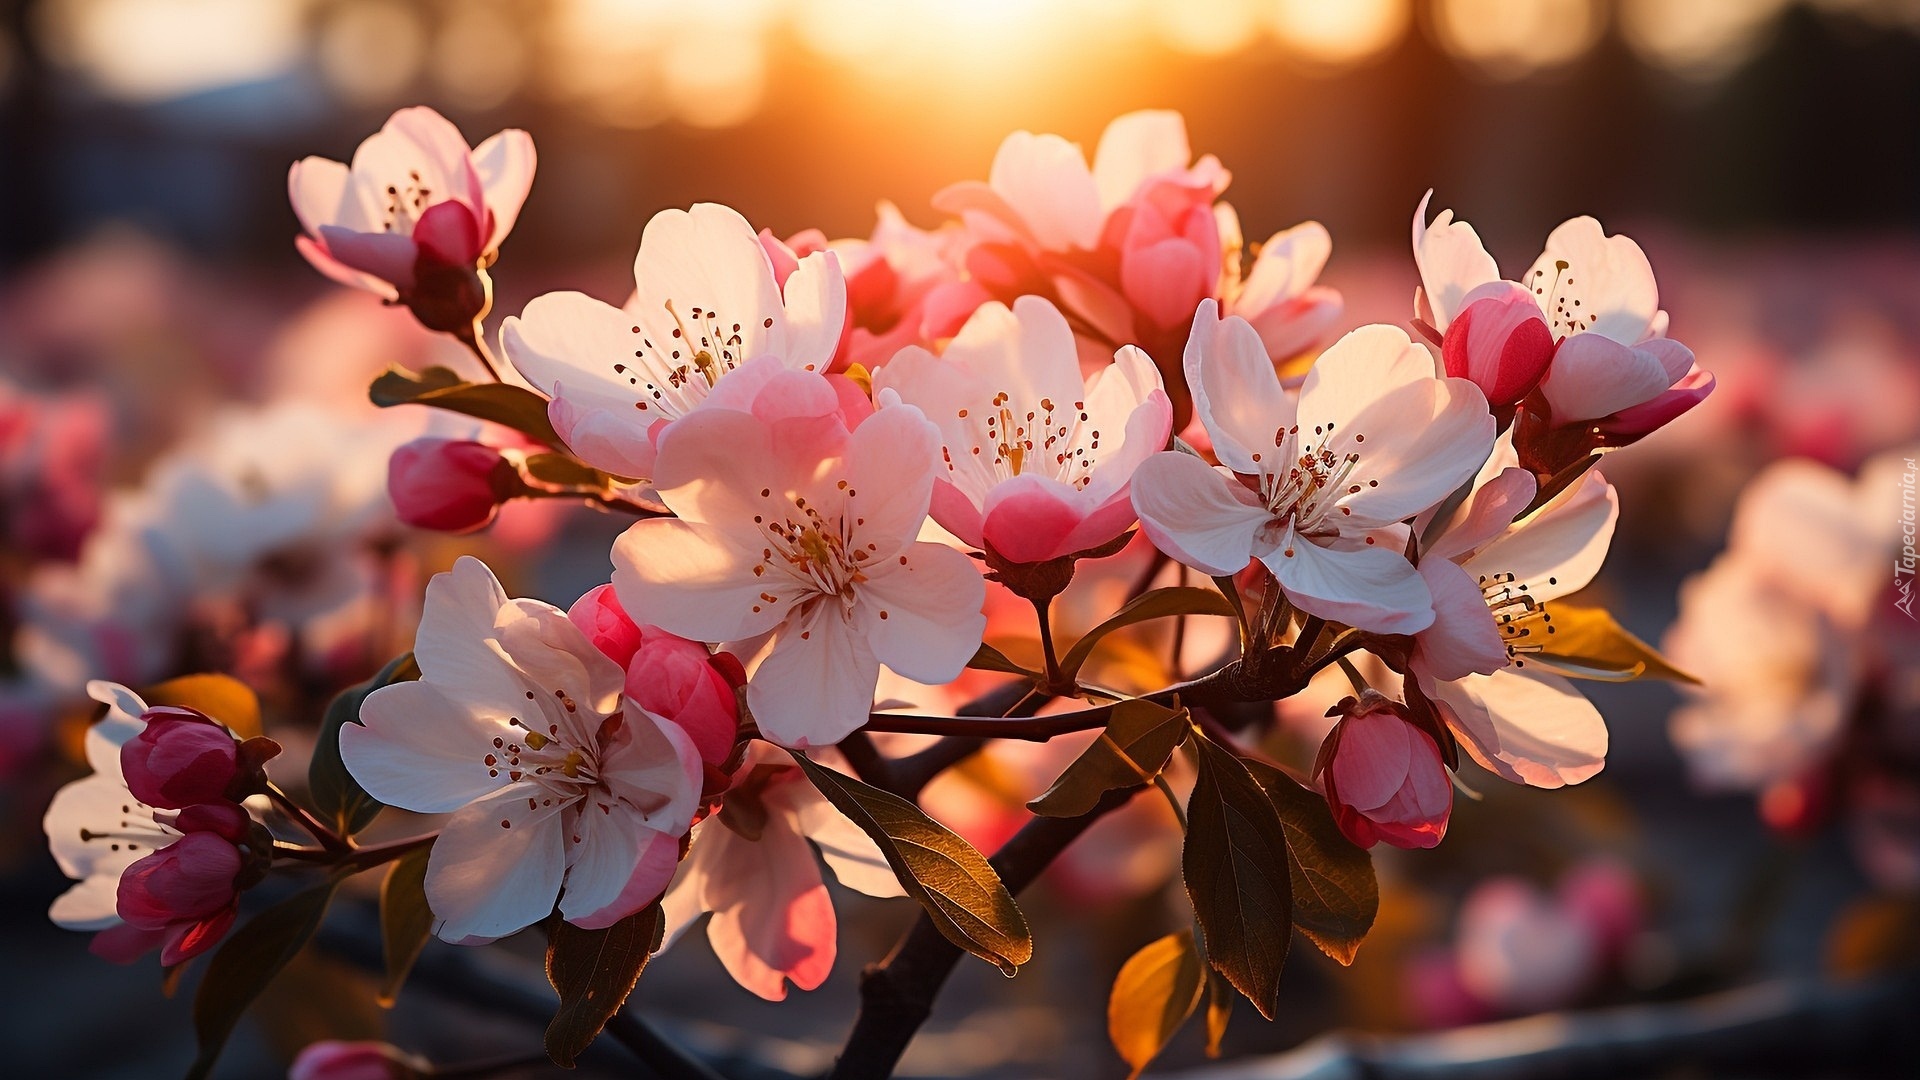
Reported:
(565, 470)
(954, 883)
(502, 403)
(1156, 990)
(1235, 865)
(246, 963)
(405, 920)
(1139, 738)
(1157, 604)
(988, 658)
(1587, 643)
(335, 793)
(222, 697)
(1335, 896)
(593, 971)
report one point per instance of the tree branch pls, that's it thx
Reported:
(897, 995)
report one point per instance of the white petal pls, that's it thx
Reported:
(854, 857)
(505, 163)
(1045, 179)
(1559, 548)
(1236, 391)
(1451, 260)
(1287, 266)
(457, 623)
(1026, 351)
(318, 188)
(1530, 727)
(1587, 281)
(1366, 587)
(1592, 376)
(816, 312)
(922, 612)
(486, 879)
(816, 685)
(1358, 370)
(891, 460)
(1135, 148)
(416, 749)
(1203, 517)
(708, 259)
(1421, 442)
(1464, 639)
(689, 579)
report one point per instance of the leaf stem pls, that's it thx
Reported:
(1173, 800)
(1353, 675)
(319, 830)
(475, 339)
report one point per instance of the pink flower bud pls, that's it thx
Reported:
(227, 820)
(599, 615)
(333, 1060)
(1500, 342)
(179, 758)
(189, 880)
(1384, 777)
(679, 680)
(450, 485)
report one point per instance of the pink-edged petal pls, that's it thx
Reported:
(497, 865)
(1365, 587)
(450, 233)
(816, 685)
(1029, 518)
(1531, 727)
(1202, 517)
(692, 581)
(387, 256)
(1291, 328)
(1236, 391)
(417, 750)
(1485, 515)
(316, 255)
(1451, 261)
(1136, 147)
(1046, 180)
(1588, 282)
(618, 867)
(1650, 416)
(956, 513)
(774, 922)
(1464, 639)
(505, 162)
(816, 311)
(921, 612)
(1560, 547)
(1592, 375)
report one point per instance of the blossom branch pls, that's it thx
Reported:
(330, 840)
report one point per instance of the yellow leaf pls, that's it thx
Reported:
(1156, 990)
(222, 697)
(1587, 643)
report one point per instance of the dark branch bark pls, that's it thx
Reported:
(897, 995)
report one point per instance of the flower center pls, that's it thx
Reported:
(137, 830)
(405, 203)
(821, 553)
(1045, 437)
(1524, 621)
(701, 348)
(1309, 490)
(1558, 302)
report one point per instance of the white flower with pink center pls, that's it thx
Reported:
(790, 522)
(1038, 460)
(706, 303)
(415, 190)
(559, 787)
(1483, 661)
(1316, 487)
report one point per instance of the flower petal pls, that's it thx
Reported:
(1366, 587)
(1464, 639)
(1136, 147)
(1236, 391)
(1451, 260)
(505, 162)
(497, 865)
(1045, 179)
(691, 580)
(922, 612)
(1203, 517)
(1588, 282)
(1530, 727)
(416, 749)
(816, 685)
(1593, 376)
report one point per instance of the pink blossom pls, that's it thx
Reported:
(752, 865)
(1521, 951)
(1384, 777)
(416, 215)
(450, 485)
(181, 757)
(1038, 459)
(184, 897)
(52, 456)
(796, 519)
(334, 1060)
(706, 304)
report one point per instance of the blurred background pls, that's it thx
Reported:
(160, 340)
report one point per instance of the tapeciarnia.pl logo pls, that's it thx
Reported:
(1903, 566)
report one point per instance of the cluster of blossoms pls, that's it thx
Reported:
(1804, 638)
(835, 448)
